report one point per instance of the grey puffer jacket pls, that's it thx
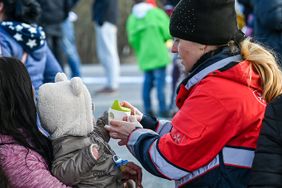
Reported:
(75, 166)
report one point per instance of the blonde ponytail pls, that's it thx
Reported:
(264, 63)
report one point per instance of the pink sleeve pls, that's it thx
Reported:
(25, 168)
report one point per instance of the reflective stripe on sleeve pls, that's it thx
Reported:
(164, 127)
(238, 157)
(232, 156)
(213, 164)
(165, 168)
(133, 138)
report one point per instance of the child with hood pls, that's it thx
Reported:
(82, 156)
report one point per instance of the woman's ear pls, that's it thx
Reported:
(203, 47)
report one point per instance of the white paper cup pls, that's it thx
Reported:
(116, 114)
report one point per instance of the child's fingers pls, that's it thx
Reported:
(122, 142)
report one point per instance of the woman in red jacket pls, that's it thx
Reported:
(210, 142)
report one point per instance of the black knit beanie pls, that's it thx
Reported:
(211, 22)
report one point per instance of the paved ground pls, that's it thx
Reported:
(130, 90)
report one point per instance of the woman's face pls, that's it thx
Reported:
(190, 52)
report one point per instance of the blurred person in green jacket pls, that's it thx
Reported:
(148, 30)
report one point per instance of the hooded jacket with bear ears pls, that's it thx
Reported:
(55, 98)
(65, 109)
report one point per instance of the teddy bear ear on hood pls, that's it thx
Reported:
(60, 77)
(77, 86)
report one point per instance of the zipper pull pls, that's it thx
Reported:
(119, 162)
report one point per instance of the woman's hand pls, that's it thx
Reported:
(133, 172)
(134, 111)
(122, 129)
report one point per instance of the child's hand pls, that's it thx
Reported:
(133, 172)
(100, 126)
(95, 151)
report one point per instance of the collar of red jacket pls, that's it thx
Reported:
(236, 71)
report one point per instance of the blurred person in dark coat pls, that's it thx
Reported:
(268, 24)
(53, 14)
(267, 165)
